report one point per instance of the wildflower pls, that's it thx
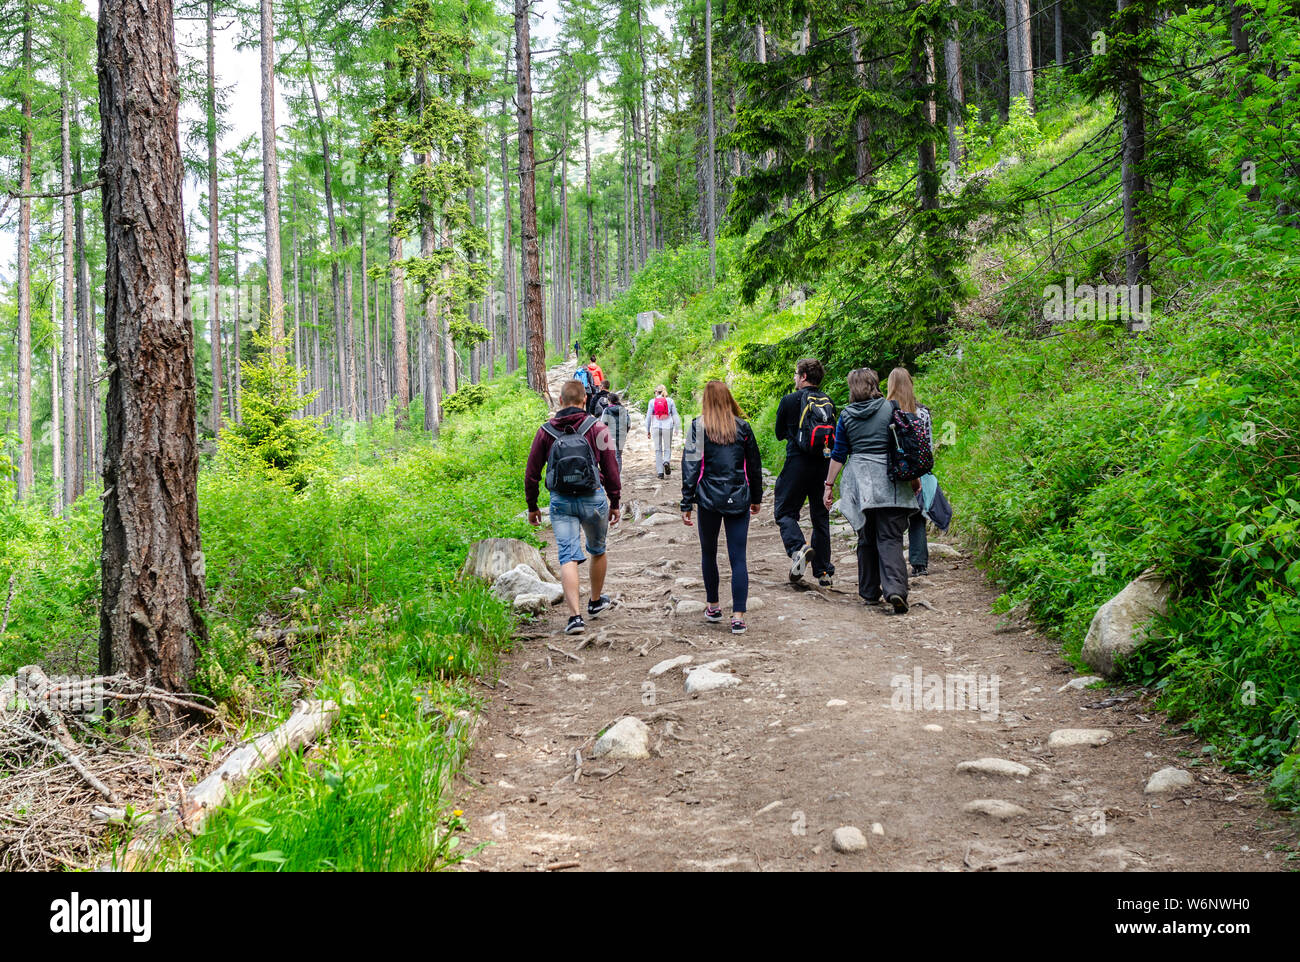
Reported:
(457, 812)
(419, 698)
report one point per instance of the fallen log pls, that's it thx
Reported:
(310, 720)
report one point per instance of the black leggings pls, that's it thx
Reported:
(709, 523)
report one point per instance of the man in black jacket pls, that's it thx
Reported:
(801, 479)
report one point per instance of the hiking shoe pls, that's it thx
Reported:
(799, 562)
(668, 470)
(576, 626)
(826, 581)
(918, 570)
(598, 605)
(712, 613)
(873, 602)
(660, 475)
(899, 603)
(737, 626)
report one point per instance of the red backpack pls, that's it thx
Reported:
(661, 407)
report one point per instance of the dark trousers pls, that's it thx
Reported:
(882, 572)
(737, 525)
(802, 479)
(918, 548)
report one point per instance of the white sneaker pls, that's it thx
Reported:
(799, 562)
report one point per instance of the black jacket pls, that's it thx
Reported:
(726, 478)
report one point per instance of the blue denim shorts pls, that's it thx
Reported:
(572, 516)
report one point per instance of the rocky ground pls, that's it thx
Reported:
(830, 741)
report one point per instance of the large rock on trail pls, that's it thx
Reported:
(1169, 779)
(1119, 625)
(521, 581)
(627, 738)
(490, 558)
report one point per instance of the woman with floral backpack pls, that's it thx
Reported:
(878, 507)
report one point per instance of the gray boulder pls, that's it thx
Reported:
(521, 581)
(627, 738)
(1119, 626)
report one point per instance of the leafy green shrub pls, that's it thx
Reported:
(270, 438)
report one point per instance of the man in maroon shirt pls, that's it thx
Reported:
(572, 515)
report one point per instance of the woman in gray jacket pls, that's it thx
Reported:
(878, 509)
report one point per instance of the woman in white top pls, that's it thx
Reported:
(660, 420)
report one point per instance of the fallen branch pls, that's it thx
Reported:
(69, 756)
(308, 722)
(566, 654)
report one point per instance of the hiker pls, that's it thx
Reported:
(722, 474)
(583, 477)
(597, 375)
(597, 401)
(660, 419)
(902, 391)
(583, 377)
(805, 421)
(878, 509)
(617, 419)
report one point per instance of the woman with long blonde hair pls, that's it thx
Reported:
(878, 508)
(903, 393)
(722, 475)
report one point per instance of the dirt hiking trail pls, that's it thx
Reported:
(814, 737)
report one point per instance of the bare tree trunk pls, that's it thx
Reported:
(271, 184)
(69, 292)
(87, 344)
(214, 248)
(1059, 25)
(397, 295)
(369, 380)
(26, 470)
(649, 173)
(329, 194)
(760, 51)
(711, 228)
(534, 328)
(153, 591)
(592, 292)
(1025, 49)
(956, 96)
(1132, 183)
(1014, 80)
(861, 125)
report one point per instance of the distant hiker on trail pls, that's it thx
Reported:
(577, 348)
(722, 474)
(878, 508)
(577, 454)
(597, 375)
(660, 419)
(903, 393)
(617, 419)
(805, 421)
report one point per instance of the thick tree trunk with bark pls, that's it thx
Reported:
(153, 589)
(534, 324)
(1025, 51)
